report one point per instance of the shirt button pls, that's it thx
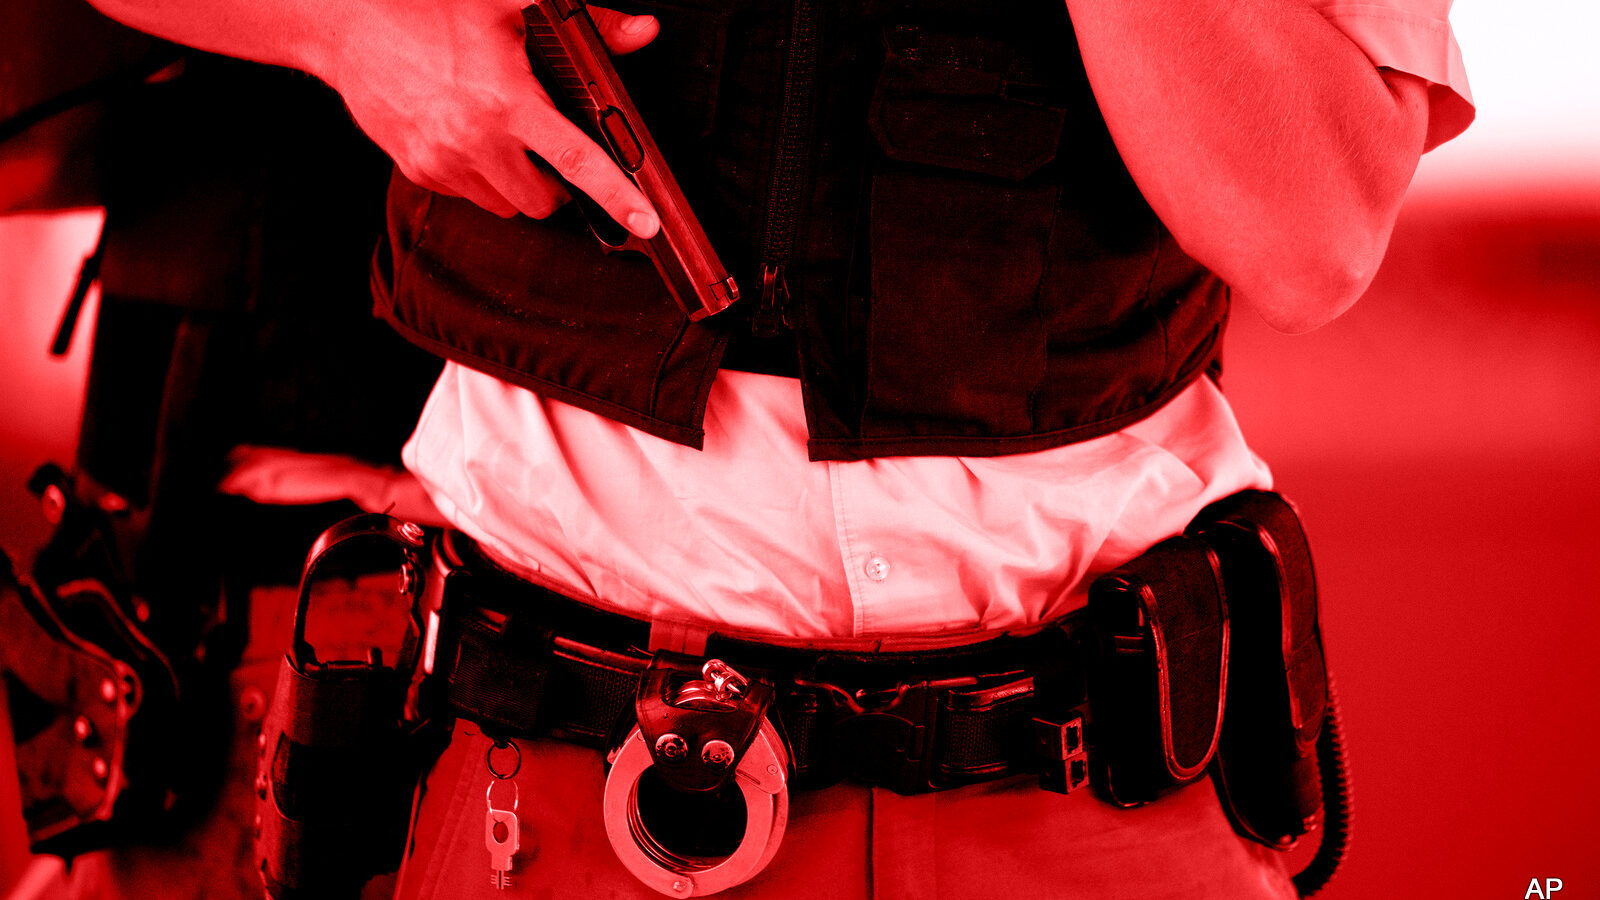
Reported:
(877, 568)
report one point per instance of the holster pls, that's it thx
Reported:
(341, 748)
(84, 711)
(117, 698)
(1266, 771)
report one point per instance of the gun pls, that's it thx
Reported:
(571, 60)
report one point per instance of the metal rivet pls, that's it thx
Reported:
(141, 611)
(670, 746)
(411, 531)
(261, 741)
(682, 886)
(108, 690)
(115, 504)
(101, 768)
(261, 786)
(876, 568)
(82, 729)
(252, 704)
(408, 577)
(718, 754)
(54, 502)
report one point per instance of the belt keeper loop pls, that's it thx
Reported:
(500, 673)
(1061, 702)
(677, 637)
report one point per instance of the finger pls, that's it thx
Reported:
(469, 187)
(586, 167)
(535, 192)
(621, 32)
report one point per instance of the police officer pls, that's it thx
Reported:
(988, 252)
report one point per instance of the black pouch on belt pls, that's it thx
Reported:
(1266, 772)
(338, 758)
(1155, 691)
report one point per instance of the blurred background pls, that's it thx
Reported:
(1442, 441)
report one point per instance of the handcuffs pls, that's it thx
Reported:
(703, 747)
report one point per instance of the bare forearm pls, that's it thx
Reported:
(294, 33)
(443, 86)
(1265, 140)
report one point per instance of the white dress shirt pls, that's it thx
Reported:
(751, 535)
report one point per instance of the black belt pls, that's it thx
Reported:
(524, 661)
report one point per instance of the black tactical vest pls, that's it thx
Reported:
(954, 257)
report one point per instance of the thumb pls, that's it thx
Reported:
(623, 33)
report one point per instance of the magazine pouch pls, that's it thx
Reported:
(1160, 672)
(1266, 769)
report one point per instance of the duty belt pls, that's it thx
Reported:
(523, 661)
(736, 718)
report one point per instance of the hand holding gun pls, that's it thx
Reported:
(571, 60)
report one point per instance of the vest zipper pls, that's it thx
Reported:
(772, 317)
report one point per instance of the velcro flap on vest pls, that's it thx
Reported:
(1156, 697)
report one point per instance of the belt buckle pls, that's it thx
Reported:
(891, 734)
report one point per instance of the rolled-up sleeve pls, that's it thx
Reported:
(1412, 36)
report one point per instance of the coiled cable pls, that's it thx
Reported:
(1334, 767)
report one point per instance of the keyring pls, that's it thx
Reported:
(516, 766)
(516, 797)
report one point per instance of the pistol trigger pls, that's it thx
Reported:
(605, 229)
(633, 245)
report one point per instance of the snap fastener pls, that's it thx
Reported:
(671, 746)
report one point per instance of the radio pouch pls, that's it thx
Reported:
(1266, 770)
(1160, 672)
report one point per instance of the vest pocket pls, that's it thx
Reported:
(961, 210)
(965, 103)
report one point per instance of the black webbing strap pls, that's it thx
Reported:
(524, 689)
(986, 740)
